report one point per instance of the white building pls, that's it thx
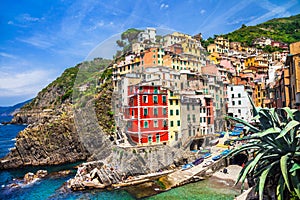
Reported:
(148, 34)
(238, 102)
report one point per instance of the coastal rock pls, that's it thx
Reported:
(51, 141)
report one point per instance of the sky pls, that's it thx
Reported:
(40, 39)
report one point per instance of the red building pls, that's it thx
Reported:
(147, 114)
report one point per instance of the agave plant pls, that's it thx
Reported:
(275, 142)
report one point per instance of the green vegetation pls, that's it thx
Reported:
(130, 35)
(275, 144)
(127, 38)
(285, 30)
(61, 90)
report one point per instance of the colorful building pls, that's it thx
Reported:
(147, 114)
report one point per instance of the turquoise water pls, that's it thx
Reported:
(202, 190)
(53, 187)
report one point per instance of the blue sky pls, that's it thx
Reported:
(39, 39)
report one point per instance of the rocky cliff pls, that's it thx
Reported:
(51, 136)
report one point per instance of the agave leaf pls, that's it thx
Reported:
(289, 113)
(295, 167)
(244, 148)
(288, 127)
(267, 132)
(284, 170)
(256, 159)
(255, 111)
(262, 181)
(296, 183)
(245, 173)
(276, 117)
(280, 189)
(266, 112)
(253, 128)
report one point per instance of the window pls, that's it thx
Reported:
(200, 119)
(204, 110)
(193, 107)
(240, 102)
(145, 99)
(204, 119)
(188, 106)
(194, 132)
(155, 111)
(171, 112)
(171, 123)
(146, 125)
(164, 99)
(188, 117)
(239, 111)
(171, 102)
(233, 103)
(177, 112)
(171, 93)
(141, 88)
(178, 122)
(165, 123)
(231, 88)
(232, 96)
(176, 102)
(129, 124)
(164, 111)
(194, 118)
(145, 111)
(132, 113)
(155, 90)
(239, 95)
(155, 123)
(190, 132)
(155, 99)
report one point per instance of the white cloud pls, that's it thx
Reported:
(6, 55)
(97, 25)
(202, 11)
(29, 18)
(23, 83)
(273, 11)
(37, 41)
(162, 6)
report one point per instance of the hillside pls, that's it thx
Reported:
(10, 110)
(52, 136)
(285, 30)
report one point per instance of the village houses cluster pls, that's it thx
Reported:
(170, 90)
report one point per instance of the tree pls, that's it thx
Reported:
(276, 146)
(130, 35)
(121, 43)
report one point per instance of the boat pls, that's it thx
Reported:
(207, 155)
(225, 152)
(208, 163)
(187, 166)
(214, 142)
(215, 158)
(198, 161)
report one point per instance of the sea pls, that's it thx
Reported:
(53, 186)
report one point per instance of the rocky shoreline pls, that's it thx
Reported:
(50, 140)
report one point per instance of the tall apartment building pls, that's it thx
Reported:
(238, 102)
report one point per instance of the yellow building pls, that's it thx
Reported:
(293, 63)
(214, 57)
(260, 94)
(127, 65)
(250, 61)
(174, 116)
